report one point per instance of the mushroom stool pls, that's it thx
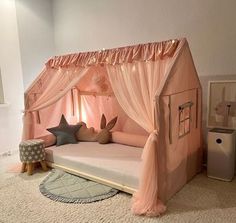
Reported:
(32, 152)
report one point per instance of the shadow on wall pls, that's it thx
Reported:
(204, 82)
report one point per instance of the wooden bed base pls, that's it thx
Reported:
(121, 187)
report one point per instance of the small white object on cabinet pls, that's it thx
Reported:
(221, 154)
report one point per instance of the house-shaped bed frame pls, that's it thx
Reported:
(155, 84)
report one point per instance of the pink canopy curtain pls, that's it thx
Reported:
(135, 86)
(92, 108)
(135, 73)
(63, 72)
(61, 81)
(50, 116)
(128, 54)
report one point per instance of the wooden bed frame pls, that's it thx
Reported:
(117, 186)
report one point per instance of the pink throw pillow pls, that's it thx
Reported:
(49, 140)
(129, 139)
(130, 126)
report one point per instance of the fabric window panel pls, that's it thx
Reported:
(181, 129)
(186, 112)
(187, 126)
(181, 116)
(184, 118)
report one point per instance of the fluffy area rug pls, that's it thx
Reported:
(68, 188)
(201, 200)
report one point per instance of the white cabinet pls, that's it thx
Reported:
(221, 154)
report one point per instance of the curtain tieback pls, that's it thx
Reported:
(153, 135)
(26, 112)
(27, 116)
(155, 131)
(152, 138)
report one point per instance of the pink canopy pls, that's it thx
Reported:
(143, 83)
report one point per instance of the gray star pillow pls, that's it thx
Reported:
(64, 132)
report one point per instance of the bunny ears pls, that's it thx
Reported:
(109, 125)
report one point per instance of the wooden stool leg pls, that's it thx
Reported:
(30, 168)
(23, 167)
(44, 165)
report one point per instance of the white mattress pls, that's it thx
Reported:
(114, 162)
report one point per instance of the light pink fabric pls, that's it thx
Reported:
(37, 122)
(129, 139)
(141, 77)
(184, 162)
(183, 155)
(146, 201)
(92, 108)
(141, 52)
(183, 67)
(138, 83)
(136, 91)
(64, 72)
(95, 81)
(130, 126)
(49, 140)
(14, 168)
(61, 82)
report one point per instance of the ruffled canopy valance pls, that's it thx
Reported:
(136, 75)
(141, 52)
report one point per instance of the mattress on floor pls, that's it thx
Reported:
(115, 162)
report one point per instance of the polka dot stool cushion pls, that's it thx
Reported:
(32, 151)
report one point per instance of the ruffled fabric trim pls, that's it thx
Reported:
(141, 52)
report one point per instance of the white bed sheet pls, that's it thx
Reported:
(115, 162)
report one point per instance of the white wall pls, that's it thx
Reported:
(1, 89)
(78, 25)
(208, 25)
(36, 34)
(10, 116)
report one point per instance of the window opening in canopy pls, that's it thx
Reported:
(184, 118)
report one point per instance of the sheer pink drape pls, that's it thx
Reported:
(135, 87)
(64, 72)
(92, 108)
(62, 81)
(50, 116)
(135, 73)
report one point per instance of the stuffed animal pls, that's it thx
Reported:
(90, 135)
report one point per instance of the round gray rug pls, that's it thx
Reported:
(68, 188)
